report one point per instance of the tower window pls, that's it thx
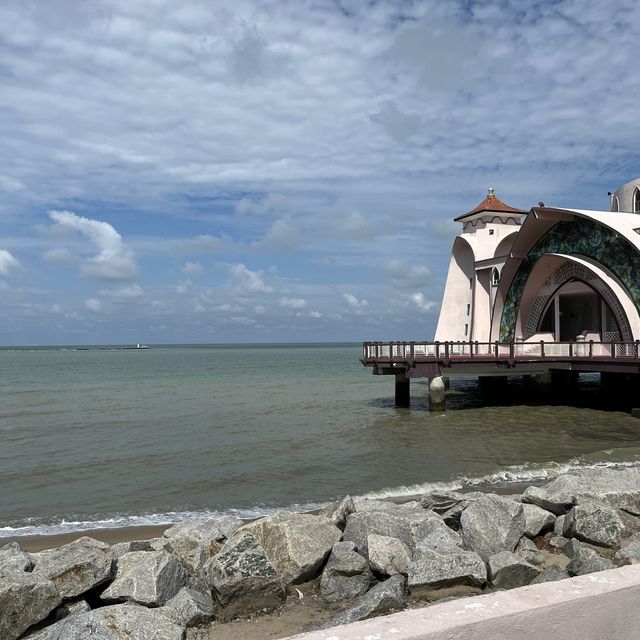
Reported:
(466, 329)
(636, 201)
(491, 231)
(468, 309)
(495, 277)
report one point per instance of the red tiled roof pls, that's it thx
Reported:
(491, 203)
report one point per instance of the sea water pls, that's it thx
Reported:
(102, 437)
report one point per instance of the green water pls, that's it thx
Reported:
(113, 437)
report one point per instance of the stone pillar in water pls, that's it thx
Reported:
(437, 390)
(403, 390)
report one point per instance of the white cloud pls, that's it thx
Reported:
(281, 236)
(354, 302)
(292, 303)
(243, 279)
(403, 274)
(61, 256)
(7, 262)
(93, 304)
(192, 268)
(315, 314)
(114, 260)
(421, 303)
(122, 294)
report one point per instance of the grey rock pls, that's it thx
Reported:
(594, 522)
(558, 527)
(435, 570)
(558, 542)
(537, 520)
(77, 567)
(528, 551)
(618, 487)
(584, 559)
(388, 556)
(384, 597)
(448, 504)
(439, 538)
(121, 548)
(628, 555)
(390, 520)
(243, 578)
(195, 541)
(190, 607)
(551, 575)
(118, 622)
(150, 578)
(492, 524)
(71, 608)
(346, 574)
(525, 544)
(13, 558)
(25, 599)
(508, 570)
(338, 511)
(297, 544)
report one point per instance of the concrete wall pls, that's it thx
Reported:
(598, 606)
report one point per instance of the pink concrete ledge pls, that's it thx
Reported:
(598, 606)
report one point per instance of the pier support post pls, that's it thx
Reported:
(563, 382)
(492, 386)
(403, 390)
(437, 391)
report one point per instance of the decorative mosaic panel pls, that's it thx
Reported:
(582, 237)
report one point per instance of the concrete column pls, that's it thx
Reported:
(437, 390)
(403, 390)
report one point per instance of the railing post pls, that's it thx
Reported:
(446, 350)
(613, 349)
(470, 349)
(496, 349)
(591, 348)
(437, 350)
(571, 349)
(637, 349)
(412, 350)
(511, 351)
(542, 348)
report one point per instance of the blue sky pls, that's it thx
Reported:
(204, 171)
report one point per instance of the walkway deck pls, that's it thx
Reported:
(432, 359)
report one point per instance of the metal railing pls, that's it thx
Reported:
(424, 351)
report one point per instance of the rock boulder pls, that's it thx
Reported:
(243, 578)
(492, 524)
(509, 570)
(25, 600)
(150, 578)
(296, 543)
(77, 567)
(346, 574)
(594, 522)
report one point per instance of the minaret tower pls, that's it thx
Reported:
(477, 258)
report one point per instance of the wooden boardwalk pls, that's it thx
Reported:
(432, 359)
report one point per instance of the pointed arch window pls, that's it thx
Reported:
(495, 277)
(636, 200)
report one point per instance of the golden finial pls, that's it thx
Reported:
(490, 192)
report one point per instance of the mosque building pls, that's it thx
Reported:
(558, 275)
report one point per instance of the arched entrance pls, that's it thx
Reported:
(576, 311)
(567, 298)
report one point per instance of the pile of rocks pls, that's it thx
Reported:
(368, 558)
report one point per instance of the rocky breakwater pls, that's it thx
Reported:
(361, 560)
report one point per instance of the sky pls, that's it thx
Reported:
(284, 171)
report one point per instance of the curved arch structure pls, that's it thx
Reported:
(556, 246)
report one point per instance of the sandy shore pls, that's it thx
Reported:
(110, 536)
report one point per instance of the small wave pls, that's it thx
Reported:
(32, 528)
(516, 474)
